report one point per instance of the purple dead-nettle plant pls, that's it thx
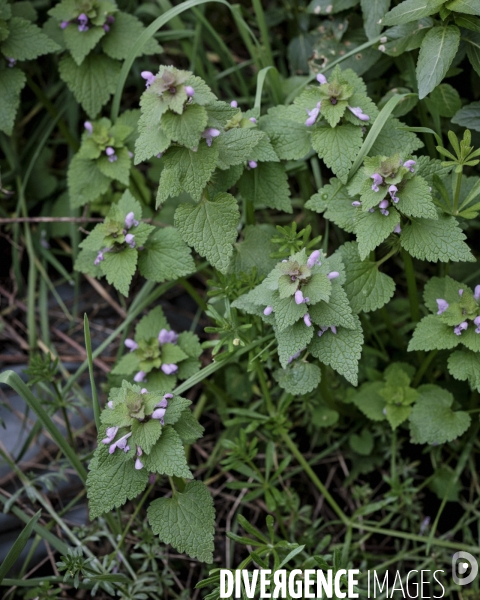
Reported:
(111, 432)
(130, 240)
(409, 164)
(149, 78)
(384, 204)
(314, 259)
(377, 180)
(392, 190)
(131, 344)
(321, 79)
(397, 229)
(161, 407)
(234, 104)
(167, 337)
(82, 22)
(64, 24)
(268, 310)
(358, 112)
(209, 134)
(252, 164)
(295, 356)
(169, 369)
(140, 376)
(333, 275)
(189, 91)
(130, 221)
(307, 320)
(313, 115)
(323, 329)
(138, 462)
(110, 152)
(100, 257)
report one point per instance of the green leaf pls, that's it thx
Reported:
(437, 52)
(186, 128)
(188, 368)
(128, 364)
(112, 481)
(318, 288)
(432, 334)
(473, 50)
(19, 544)
(119, 268)
(363, 443)
(416, 199)
(190, 344)
(176, 407)
(191, 169)
(172, 354)
(186, 521)
(432, 421)
(11, 84)
(431, 240)
(146, 434)
(118, 169)
(298, 378)
(235, 146)
(336, 312)
(93, 82)
(287, 312)
(468, 116)
(338, 147)
(85, 181)
(367, 289)
(446, 100)
(393, 136)
(465, 366)
(26, 41)
(290, 140)
(167, 457)
(373, 11)
(151, 141)
(149, 326)
(372, 229)
(411, 10)
(291, 340)
(188, 428)
(166, 256)
(341, 351)
(469, 7)
(444, 288)
(255, 250)
(396, 415)
(335, 200)
(369, 400)
(79, 43)
(445, 484)
(427, 168)
(267, 185)
(124, 32)
(211, 228)
(328, 7)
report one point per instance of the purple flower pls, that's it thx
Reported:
(321, 79)
(358, 112)
(392, 191)
(314, 259)
(377, 180)
(144, 391)
(442, 306)
(356, 203)
(313, 115)
(110, 404)
(252, 119)
(121, 443)
(307, 321)
(99, 258)
(476, 293)
(268, 311)
(110, 433)
(131, 344)
(397, 229)
(169, 369)
(64, 24)
(130, 240)
(234, 104)
(476, 320)
(152, 478)
(333, 329)
(460, 293)
(130, 220)
(333, 275)
(138, 464)
(89, 127)
(110, 19)
(83, 22)
(167, 337)
(189, 91)
(458, 330)
(159, 413)
(299, 297)
(106, 28)
(384, 204)
(140, 376)
(209, 134)
(321, 331)
(110, 152)
(252, 164)
(149, 78)
(424, 525)
(409, 164)
(11, 62)
(294, 356)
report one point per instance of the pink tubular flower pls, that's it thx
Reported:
(130, 220)
(356, 203)
(149, 78)
(392, 190)
(209, 134)
(299, 299)
(64, 24)
(130, 240)
(99, 258)
(294, 356)
(313, 115)
(234, 104)
(189, 91)
(476, 293)
(88, 126)
(167, 337)
(306, 320)
(409, 164)
(131, 344)
(110, 404)
(121, 443)
(377, 180)
(110, 152)
(358, 112)
(110, 433)
(321, 79)
(314, 259)
(384, 204)
(333, 329)
(252, 119)
(252, 164)
(442, 306)
(397, 229)
(140, 376)
(268, 311)
(169, 369)
(458, 330)
(83, 22)
(321, 331)
(333, 275)
(138, 464)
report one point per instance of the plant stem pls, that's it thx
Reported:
(412, 286)
(423, 367)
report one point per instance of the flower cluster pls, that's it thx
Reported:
(164, 337)
(465, 309)
(85, 16)
(119, 236)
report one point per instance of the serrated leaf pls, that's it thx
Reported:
(337, 204)
(437, 52)
(128, 364)
(112, 481)
(392, 136)
(79, 43)
(255, 250)
(172, 354)
(118, 169)
(291, 340)
(151, 141)
(372, 229)
(444, 288)
(167, 457)
(188, 428)
(186, 521)
(369, 400)
(298, 378)
(431, 240)
(176, 406)
(122, 36)
(119, 268)
(432, 421)
(336, 312)
(341, 351)
(465, 366)
(210, 227)
(416, 199)
(367, 289)
(411, 10)
(11, 84)
(26, 41)
(396, 415)
(432, 334)
(267, 185)
(290, 140)
(338, 147)
(235, 146)
(427, 168)
(93, 82)
(146, 434)
(287, 312)
(165, 257)
(85, 181)
(186, 128)
(373, 11)
(149, 326)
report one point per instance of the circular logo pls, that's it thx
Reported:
(461, 563)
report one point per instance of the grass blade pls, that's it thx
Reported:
(18, 546)
(88, 347)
